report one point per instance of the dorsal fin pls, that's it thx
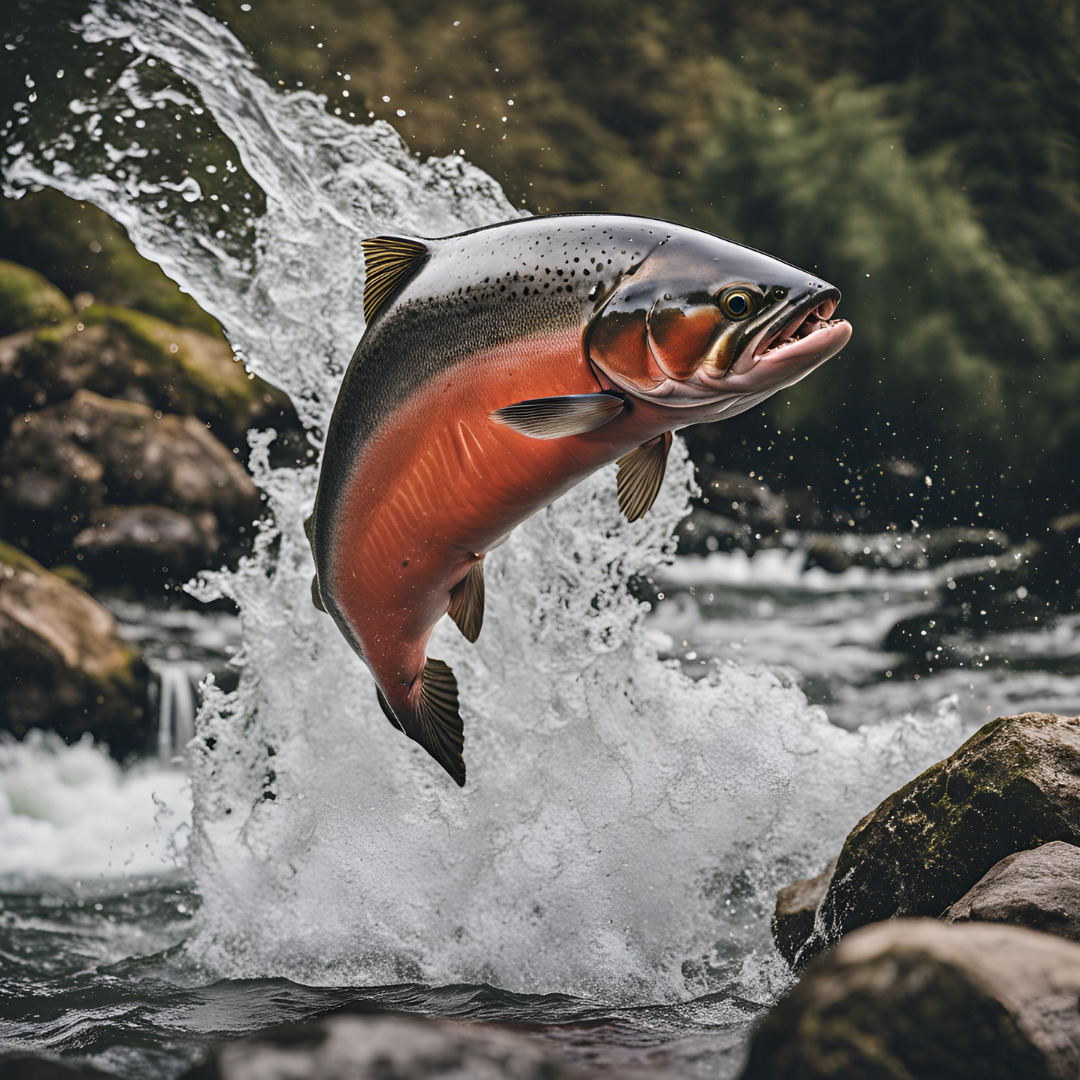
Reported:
(388, 261)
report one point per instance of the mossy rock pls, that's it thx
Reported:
(122, 353)
(1013, 785)
(28, 299)
(63, 664)
(81, 249)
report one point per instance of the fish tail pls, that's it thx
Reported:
(434, 721)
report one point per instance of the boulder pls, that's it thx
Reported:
(1013, 785)
(146, 542)
(35, 1068)
(131, 355)
(914, 998)
(62, 663)
(747, 500)
(27, 299)
(1039, 889)
(349, 1044)
(63, 464)
(702, 532)
(796, 908)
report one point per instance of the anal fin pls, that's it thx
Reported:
(558, 417)
(641, 472)
(467, 601)
(437, 725)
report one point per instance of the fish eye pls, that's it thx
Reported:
(736, 303)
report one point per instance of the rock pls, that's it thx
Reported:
(748, 500)
(957, 542)
(702, 532)
(146, 542)
(63, 464)
(34, 1068)
(27, 299)
(379, 1047)
(1057, 570)
(62, 664)
(912, 999)
(1013, 785)
(128, 354)
(796, 907)
(81, 249)
(1039, 889)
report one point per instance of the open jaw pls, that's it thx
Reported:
(794, 342)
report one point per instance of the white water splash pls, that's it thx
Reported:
(623, 826)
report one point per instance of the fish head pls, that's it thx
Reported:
(702, 321)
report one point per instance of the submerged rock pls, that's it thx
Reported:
(62, 664)
(379, 1047)
(919, 998)
(1039, 889)
(63, 464)
(27, 299)
(1013, 785)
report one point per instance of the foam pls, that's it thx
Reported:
(69, 812)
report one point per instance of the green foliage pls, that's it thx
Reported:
(967, 357)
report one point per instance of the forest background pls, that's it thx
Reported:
(923, 157)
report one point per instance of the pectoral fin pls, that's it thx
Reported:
(467, 601)
(641, 472)
(558, 417)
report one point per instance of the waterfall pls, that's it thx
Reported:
(175, 696)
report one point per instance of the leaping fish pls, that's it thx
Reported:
(498, 369)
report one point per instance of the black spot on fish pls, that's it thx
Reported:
(404, 562)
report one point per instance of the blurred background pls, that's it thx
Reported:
(924, 157)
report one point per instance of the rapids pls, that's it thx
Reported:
(625, 825)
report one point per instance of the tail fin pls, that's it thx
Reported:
(435, 724)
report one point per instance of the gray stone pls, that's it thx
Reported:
(373, 1047)
(1013, 785)
(920, 999)
(796, 907)
(1039, 889)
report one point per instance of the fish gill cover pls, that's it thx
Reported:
(625, 825)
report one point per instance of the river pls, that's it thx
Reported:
(643, 776)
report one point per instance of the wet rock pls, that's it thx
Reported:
(35, 1068)
(747, 500)
(958, 542)
(1057, 569)
(146, 542)
(702, 532)
(62, 664)
(368, 1047)
(1039, 889)
(1013, 785)
(796, 907)
(62, 465)
(128, 354)
(27, 299)
(920, 998)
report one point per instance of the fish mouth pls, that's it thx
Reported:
(801, 336)
(797, 339)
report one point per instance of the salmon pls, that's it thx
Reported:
(498, 369)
